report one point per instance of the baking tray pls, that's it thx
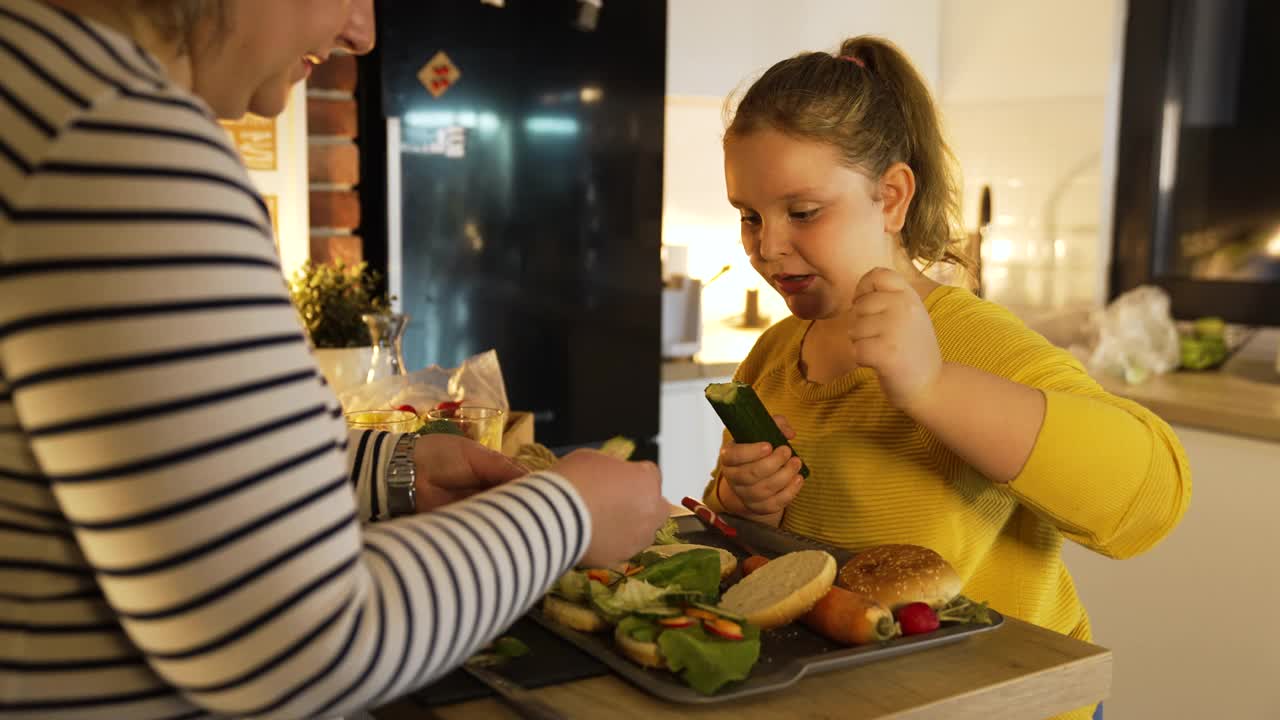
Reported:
(786, 654)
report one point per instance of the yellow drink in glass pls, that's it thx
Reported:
(400, 421)
(482, 424)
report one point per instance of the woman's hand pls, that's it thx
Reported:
(759, 479)
(624, 499)
(451, 467)
(892, 333)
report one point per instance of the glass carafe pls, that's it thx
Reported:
(386, 330)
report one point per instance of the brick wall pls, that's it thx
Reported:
(334, 162)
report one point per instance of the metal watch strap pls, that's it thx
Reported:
(401, 477)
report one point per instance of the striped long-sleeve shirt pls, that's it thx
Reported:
(179, 535)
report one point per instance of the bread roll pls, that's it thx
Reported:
(644, 654)
(573, 615)
(897, 575)
(782, 590)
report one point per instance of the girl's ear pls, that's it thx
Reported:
(897, 188)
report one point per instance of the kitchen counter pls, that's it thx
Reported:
(685, 370)
(1243, 398)
(1018, 672)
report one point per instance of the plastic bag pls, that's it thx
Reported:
(1134, 337)
(478, 382)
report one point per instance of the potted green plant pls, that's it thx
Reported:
(332, 300)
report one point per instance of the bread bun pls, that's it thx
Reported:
(573, 615)
(644, 654)
(728, 561)
(897, 575)
(782, 590)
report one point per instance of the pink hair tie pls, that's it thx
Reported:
(855, 60)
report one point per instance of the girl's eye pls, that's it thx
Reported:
(750, 219)
(804, 215)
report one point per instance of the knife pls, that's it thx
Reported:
(711, 519)
(524, 702)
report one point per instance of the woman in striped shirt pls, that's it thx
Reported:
(179, 536)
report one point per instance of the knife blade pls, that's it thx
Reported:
(712, 520)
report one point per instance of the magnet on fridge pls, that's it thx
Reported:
(439, 74)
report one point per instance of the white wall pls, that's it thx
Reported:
(1191, 622)
(1004, 50)
(717, 47)
(714, 45)
(289, 183)
(1024, 93)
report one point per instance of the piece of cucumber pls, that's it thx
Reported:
(719, 611)
(745, 416)
(684, 596)
(657, 612)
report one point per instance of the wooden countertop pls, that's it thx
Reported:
(687, 370)
(1241, 399)
(1018, 672)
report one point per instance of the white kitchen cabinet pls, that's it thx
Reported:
(1189, 622)
(689, 433)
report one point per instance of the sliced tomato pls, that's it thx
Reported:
(701, 614)
(407, 408)
(679, 621)
(727, 629)
(449, 405)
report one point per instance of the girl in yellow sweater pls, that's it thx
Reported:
(926, 415)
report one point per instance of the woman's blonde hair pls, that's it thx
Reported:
(178, 19)
(871, 103)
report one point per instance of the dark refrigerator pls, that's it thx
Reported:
(517, 151)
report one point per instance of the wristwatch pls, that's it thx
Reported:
(401, 476)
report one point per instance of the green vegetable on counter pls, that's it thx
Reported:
(1206, 346)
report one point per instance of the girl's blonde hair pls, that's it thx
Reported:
(871, 103)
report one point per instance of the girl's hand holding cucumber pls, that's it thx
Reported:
(759, 479)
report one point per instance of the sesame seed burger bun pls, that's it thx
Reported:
(898, 575)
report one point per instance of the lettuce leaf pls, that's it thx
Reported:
(639, 628)
(703, 661)
(626, 597)
(666, 534)
(572, 586)
(695, 570)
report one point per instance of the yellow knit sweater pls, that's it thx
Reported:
(1105, 472)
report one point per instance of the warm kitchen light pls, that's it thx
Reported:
(591, 94)
(1171, 123)
(1273, 245)
(1001, 250)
